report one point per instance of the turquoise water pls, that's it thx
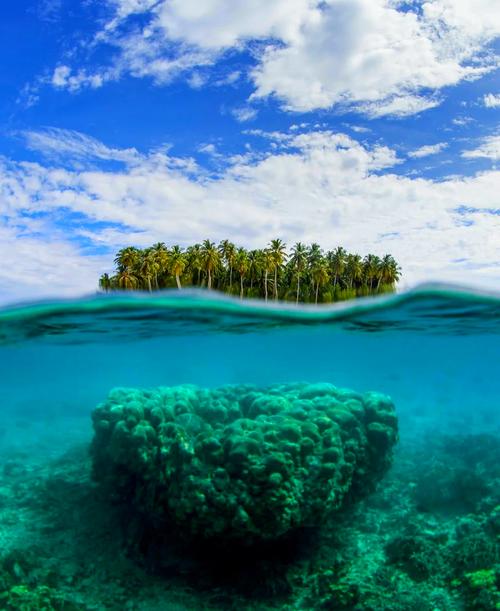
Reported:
(435, 351)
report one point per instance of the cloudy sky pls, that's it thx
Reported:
(372, 124)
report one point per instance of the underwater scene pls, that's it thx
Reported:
(189, 451)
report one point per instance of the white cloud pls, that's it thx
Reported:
(197, 80)
(63, 78)
(34, 267)
(60, 76)
(220, 24)
(473, 22)
(429, 149)
(376, 56)
(318, 186)
(491, 100)
(125, 8)
(57, 142)
(243, 114)
(462, 121)
(275, 136)
(399, 106)
(353, 155)
(358, 129)
(359, 50)
(209, 149)
(488, 149)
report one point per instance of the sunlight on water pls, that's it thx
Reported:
(435, 352)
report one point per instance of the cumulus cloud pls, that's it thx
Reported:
(359, 50)
(380, 57)
(427, 150)
(317, 186)
(491, 100)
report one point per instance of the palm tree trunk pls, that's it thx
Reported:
(317, 292)
(178, 281)
(209, 279)
(298, 289)
(150, 288)
(241, 287)
(276, 283)
(265, 283)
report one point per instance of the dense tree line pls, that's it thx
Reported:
(304, 274)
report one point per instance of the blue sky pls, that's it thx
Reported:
(373, 124)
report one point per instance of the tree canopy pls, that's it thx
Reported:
(304, 274)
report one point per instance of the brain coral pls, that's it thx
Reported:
(241, 462)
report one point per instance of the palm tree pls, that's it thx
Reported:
(160, 254)
(149, 267)
(314, 254)
(195, 260)
(320, 276)
(210, 259)
(268, 265)
(337, 261)
(255, 265)
(227, 251)
(354, 269)
(389, 271)
(371, 265)
(298, 262)
(314, 259)
(277, 250)
(127, 258)
(105, 282)
(304, 275)
(242, 264)
(177, 263)
(127, 280)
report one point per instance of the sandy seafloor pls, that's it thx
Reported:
(427, 539)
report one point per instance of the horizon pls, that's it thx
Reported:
(370, 124)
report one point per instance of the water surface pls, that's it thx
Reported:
(435, 351)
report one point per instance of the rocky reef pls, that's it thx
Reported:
(241, 463)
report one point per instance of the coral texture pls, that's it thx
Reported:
(241, 462)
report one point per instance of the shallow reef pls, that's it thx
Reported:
(426, 539)
(241, 463)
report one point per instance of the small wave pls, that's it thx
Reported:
(431, 308)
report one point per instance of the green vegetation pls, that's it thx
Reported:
(306, 274)
(241, 463)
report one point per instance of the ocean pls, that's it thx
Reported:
(424, 533)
